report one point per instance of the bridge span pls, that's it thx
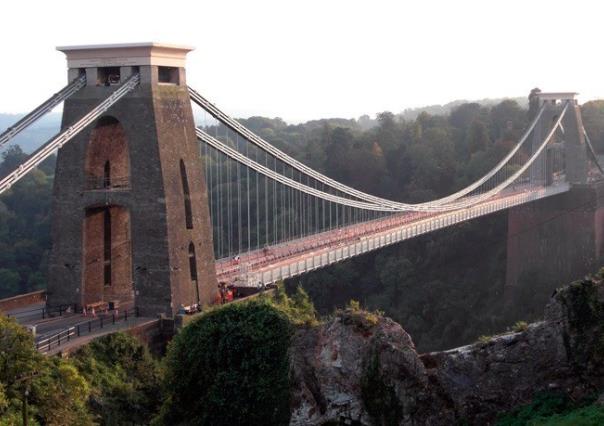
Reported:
(259, 268)
(151, 211)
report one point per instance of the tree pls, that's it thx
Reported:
(57, 392)
(230, 367)
(387, 131)
(125, 379)
(60, 393)
(365, 122)
(11, 159)
(394, 273)
(478, 137)
(338, 154)
(24, 228)
(462, 116)
(10, 282)
(506, 119)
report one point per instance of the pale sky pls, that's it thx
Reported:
(309, 59)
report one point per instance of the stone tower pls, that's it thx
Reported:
(574, 140)
(130, 219)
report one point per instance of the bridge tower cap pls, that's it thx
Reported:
(126, 54)
(554, 96)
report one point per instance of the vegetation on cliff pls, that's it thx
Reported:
(231, 365)
(51, 390)
(112, 381)
(271, 360)
(555, 409)
(125, 380)
(25, 226)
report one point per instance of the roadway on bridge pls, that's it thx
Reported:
(47, 326)
(237, 270)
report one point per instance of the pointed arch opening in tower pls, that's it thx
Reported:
(107, 251)
(187, 195)
(193, 268)
(107, 163)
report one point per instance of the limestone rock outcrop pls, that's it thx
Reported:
(362, 368)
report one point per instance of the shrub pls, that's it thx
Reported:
(520, 326)
(586, 416)
(484, 339)
(298, 308)
(549, 408)
(229, 367)
(362, 320)
(353, 305)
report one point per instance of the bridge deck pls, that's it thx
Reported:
(74, 343)
(263, 267)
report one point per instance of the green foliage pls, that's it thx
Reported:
(11, 281)
(353, 305)
(298, 308)
(24, 227)
(484, 339)
(60, 394)
(57, 393)
(125, 379)
(378, 396)
(229, 367)
(554, 409)
(592, 415)
(361, 319)
(478, 137)
(520, 326)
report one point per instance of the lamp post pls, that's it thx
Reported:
(25, 414)
(24, 408)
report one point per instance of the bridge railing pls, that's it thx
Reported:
(62, 336)
(43, 312)
(392, 232)
(83, 328)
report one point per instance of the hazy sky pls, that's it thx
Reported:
(310, 59)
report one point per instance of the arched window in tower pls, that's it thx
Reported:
(107, 174)
(187, 195)
(192, 262)
(107, 163)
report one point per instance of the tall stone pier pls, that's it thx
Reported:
(560, 237)
(130, 220)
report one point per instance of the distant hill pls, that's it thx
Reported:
(412, 113)
(37, 134)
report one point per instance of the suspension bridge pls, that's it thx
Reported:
(152, 210)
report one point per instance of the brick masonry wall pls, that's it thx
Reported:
(108, 143)
(22, 300)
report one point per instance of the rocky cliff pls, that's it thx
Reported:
(362, 368)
